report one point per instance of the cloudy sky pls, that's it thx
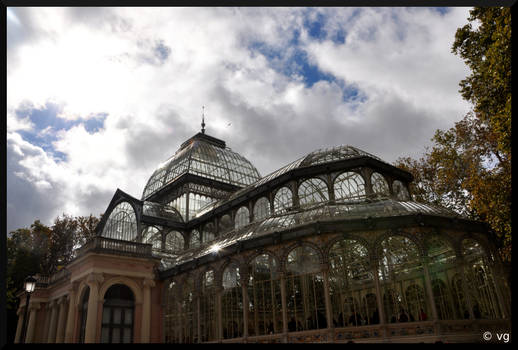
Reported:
(98, 97)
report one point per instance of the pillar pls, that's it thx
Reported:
(33, 309)
(60, 334)
(19, 326)
(429, 290)
(282, 276)
(47, 322)
(327, 299)
(93, 282)
(219, 291)
(72, 309)
(146, 311)
(51, 338)
(244, 292)
(467, 297)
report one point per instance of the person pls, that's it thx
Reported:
(375, 317)
(292, 325)
(422, 315)
(403, 317)
(322, 322)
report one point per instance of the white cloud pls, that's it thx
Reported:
(151, 69)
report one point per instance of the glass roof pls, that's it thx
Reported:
(321, 212)
(207, 157)
(161, 211)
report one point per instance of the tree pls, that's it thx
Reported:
(468, 167)
(486, 50)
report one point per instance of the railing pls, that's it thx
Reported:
(114, 246)
(429, 331)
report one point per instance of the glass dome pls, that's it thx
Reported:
(205, 156)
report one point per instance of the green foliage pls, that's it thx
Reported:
(468, 167)
(486, 50)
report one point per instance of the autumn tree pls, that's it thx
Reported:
(468, 167)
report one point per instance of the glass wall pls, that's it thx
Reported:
(351, 285)
(349, 186)
(283, 200)
(242, 218)
(208, 323)
(261, 209)
(174, 242)
(402, 280)
(264, 295)
(122, 223)
(232, 303)
(313, 191)
(305, 290)
(379, 185)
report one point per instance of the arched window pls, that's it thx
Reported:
(208, 325)
(313, 191)
(122, 223)
(480, 280)
(261, 209)
(172, 321)
(264, 294)
(442, 268)
(400, 191)
(379, 185)
(209, 232)
(351, 285)
(232, 303)
(188, 312)
(400, 267)
(194, 240)
(349, 186)
(174, 242)
(283, 200)
(242, 218)
(152, 235)
(117, 318)
(225, 224)
(304, 290)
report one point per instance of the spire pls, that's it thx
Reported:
(203, 120)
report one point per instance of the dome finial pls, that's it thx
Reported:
(203, 119)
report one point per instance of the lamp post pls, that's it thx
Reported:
(28, 285)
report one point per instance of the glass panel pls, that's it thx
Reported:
(105, 335)
(261, 209)
(225, 224)
(349, 186)
(128, 316)
(313, 191)
(283, 200)
(351, 286)
(194, 239)
(126, 337)
(116, 337)
(152, 235)
(117, 315)
(400, 191)
(122, 223)
(379, 185)
(174, 242)
(106, 315)
(242, 217)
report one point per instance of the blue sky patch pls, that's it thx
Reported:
(47, 124)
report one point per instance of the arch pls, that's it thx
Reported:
(118, 315)
(283, 200)
(400, 191)
(174, 241)
(379, 185)
(135, 288)
(122, 222)
(194, 239)
(242, 217)
(225, 224)
(313, 191)
(261, 209)
(288, 249)
(208, 233)
(350, 236)
(349, 185)
(152, 235)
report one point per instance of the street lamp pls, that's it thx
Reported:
(28, 285)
